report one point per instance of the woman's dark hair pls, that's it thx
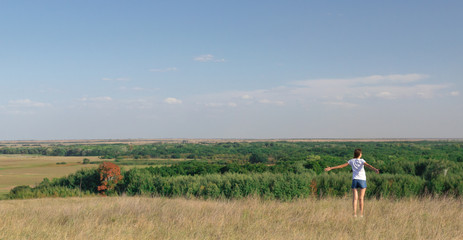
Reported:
(357, 152)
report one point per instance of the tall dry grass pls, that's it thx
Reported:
(163, 218)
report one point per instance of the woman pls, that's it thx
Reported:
(359, 179)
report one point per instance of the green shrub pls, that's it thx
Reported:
(284, 180)
(40, 192)
(258, 158)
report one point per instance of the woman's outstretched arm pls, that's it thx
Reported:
(371, 167)
(340, 166)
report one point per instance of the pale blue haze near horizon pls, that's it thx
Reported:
(230, 69)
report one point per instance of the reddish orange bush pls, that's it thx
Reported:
(313, 187)
(110, 175)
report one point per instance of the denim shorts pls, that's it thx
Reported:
(357, 183)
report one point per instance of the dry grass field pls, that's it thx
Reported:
(18, 170)
(163, 218)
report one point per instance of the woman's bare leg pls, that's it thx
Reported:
(354, 200)
(361, 197)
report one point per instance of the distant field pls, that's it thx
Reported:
(163, 218)
(18, 170)
(206, 140)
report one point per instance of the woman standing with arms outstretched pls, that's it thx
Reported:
(359, 179)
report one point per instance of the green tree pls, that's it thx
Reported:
(258, 158)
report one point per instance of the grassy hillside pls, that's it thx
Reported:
(163, 218)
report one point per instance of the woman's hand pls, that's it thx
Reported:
(327, 169)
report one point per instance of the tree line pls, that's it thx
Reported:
(271, 151)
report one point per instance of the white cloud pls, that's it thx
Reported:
(208, 58)
(96, 99)
(171, 69)
(275, 96)
(215, 104)
(394, 78)
(172, 100)
(455, 93)
(369, 80)
(22, 107)
(397, 92)
(267, 101)
(98, 102)
(142, 103)
(26, 103)
(341, 104)
(384, 94)
(342, 92)
(379, 86)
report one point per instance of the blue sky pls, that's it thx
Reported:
(230, 69)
